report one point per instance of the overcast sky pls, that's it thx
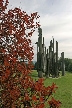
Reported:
(55, 20)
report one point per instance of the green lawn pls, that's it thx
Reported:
(64, 91)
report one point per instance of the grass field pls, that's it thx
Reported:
(64, 91)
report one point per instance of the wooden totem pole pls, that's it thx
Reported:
(39, 53)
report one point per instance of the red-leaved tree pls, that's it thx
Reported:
(18, 90)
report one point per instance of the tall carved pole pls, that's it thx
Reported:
(43, 54)
(40, 52)
(37, 56)
(49, 61)
(45, 60)
(62, 56)
(56, 59)
(53, 58)
(47, 65)
(53, 45)
(51, 69)
(43, 45)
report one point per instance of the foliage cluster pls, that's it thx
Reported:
(17, 87)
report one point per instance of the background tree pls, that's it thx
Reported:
(70, 67)
(67, 62)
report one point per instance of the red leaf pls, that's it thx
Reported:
(26, 97)
(41, 99)
(34, 98)
(6, 63)
(41, 105)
